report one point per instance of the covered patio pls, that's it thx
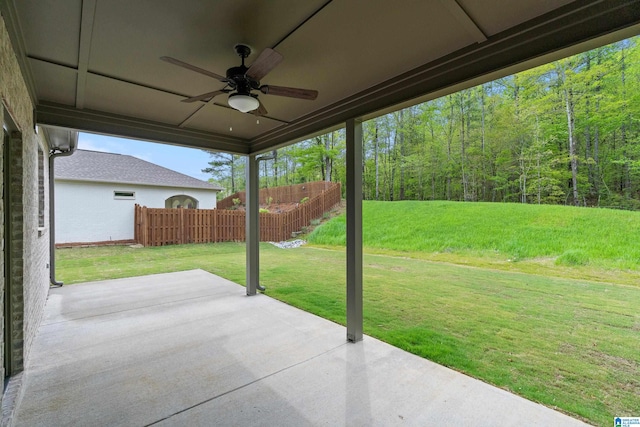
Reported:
(161, 349)
(190, 348)
(155, 71)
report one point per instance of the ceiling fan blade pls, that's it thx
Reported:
(179, 63)
(266, 62)
(260, 111)
(290, 92)
(203, 96)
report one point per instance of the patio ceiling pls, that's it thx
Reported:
(94, 65)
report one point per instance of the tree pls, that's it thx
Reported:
(227, 170)
(565, 132)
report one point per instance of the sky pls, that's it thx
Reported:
(188, 161)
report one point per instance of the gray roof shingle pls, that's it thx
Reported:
(84, 165)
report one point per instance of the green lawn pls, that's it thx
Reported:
(505, 231)
(570, 344)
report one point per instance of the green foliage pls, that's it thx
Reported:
(316, 159)
(236, 201)
(304, 200)
(263, 210)
(504, 141)
(620, 201)
(226, 170)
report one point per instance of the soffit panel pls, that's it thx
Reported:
(130, 37)
(350, 46)
(51, 29)
(499, 15)
(54, 83)
(114, 96)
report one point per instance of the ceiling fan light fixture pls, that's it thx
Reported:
(243, 103)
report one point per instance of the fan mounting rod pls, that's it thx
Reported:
(243, 51)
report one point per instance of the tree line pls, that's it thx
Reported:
(563, 133)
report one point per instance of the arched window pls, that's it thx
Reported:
(181, 201)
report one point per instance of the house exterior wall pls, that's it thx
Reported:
(2, 245)
(28, 266)
(89, 211)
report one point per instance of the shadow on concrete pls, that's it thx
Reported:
(190, 348)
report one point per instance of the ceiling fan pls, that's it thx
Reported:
(242, 80)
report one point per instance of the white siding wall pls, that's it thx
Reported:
(88, 212)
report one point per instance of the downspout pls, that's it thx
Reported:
(273, 156)
(53, 154)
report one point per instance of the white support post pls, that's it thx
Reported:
(252, 225)
(354, 230)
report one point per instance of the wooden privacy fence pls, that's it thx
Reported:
(160, 227)
(286, 194)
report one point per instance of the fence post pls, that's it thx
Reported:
(145, 227)
(136, 220)
(180, 226)
(214, 225)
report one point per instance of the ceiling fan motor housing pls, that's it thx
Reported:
(239, 81)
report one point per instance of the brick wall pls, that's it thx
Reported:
(2, 143)
(29, 244)
(15, 239)
(36, 243)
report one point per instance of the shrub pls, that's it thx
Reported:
(315, 222)
(304, 200)
(616, 201)
(263, 210)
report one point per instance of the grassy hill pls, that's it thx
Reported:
(564, 235)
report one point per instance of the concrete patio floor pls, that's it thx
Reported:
(190, 349)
